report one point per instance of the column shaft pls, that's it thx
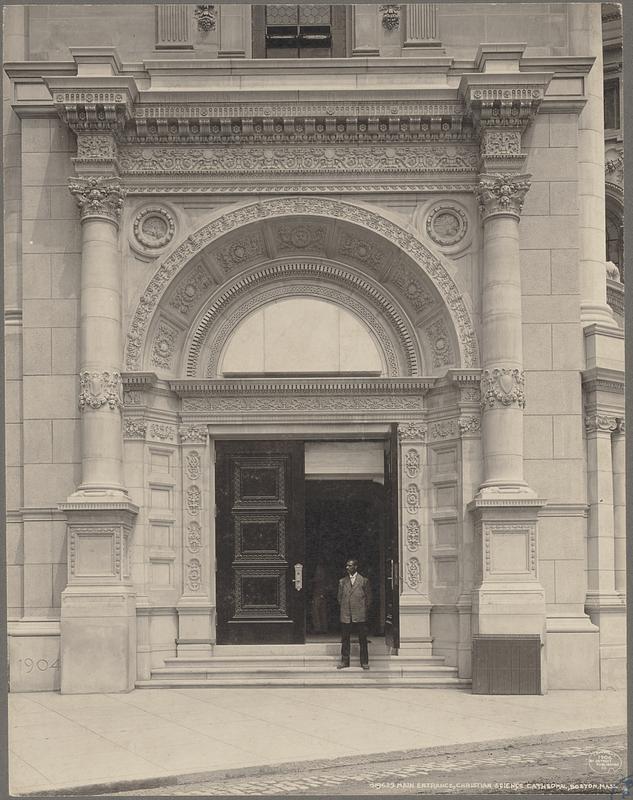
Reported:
(600, 533)
(618, 454)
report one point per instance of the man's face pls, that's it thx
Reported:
(350, 567)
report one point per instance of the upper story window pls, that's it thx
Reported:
(612, 104)
(298, 31)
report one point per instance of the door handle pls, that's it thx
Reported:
(298, 578)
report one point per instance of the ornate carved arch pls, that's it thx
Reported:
(414, 258)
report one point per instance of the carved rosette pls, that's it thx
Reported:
(502, 194)
(98, 196)
(97, 389)
(601, 423)
(413, 498)
(502, 388)
(194, 575)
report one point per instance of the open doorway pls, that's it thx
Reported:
(343, 519)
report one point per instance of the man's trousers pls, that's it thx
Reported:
(360, 628)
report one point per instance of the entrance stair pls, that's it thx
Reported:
(312, 664)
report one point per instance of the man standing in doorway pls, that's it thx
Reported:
(354, 597)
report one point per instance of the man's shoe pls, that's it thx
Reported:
(342, 666)
(365, 666)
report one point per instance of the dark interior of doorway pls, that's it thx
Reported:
(344, 519)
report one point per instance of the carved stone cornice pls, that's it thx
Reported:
(323, 387)
(98, 196)
(502, 387)
(149, 186)
(97, 389)
(601, 379)
(600, 423)
(502, 194)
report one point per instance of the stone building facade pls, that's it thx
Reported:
(286, 282)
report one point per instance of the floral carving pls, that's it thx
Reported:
(193, 465)
(205, 17)
(413, 573)
(190, 290)
(154, 227)
(500, 143)
(193, 433)
(95, 147)
(132, 397)
(502, 387)
(134, 428)
(469, 424)
(446, 224)
(413, 534)
(412, 463)
(390, 17)
(412, 431)
(194, 498)
(98, 197)
(614, 167)
(470, 394)
(413, 288)
(194, 537)
(194, 575)
(363, 251)
(443, 429)
(98, 389)
(277, 403)
(413, 498)
(164, 345)
(240, 252)
(502, 194)
(163, 432)
(300, 237)
(600, 422)
(440, 343)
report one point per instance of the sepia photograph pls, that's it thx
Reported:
(314, 399)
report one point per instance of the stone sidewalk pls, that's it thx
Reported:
(148, 736)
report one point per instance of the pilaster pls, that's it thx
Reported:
(420, 28)
(415, 604)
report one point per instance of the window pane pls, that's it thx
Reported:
(612, 104)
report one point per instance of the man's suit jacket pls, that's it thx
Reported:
(354, 600)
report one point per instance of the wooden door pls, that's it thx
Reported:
(260, 542)
(392, 566)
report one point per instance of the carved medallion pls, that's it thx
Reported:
(194, 498)
(193, 465)
(194, 537)
(413, 573)
(412, 463)
(446, 224)
(502, 388)
(194, 575)
(154, 227)
(413, 534)
(98, 389)
(413, 498)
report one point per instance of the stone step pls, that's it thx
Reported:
(233, 662)
(299, 669)
(348, 678)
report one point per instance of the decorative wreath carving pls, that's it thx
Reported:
(446, 224)
(154, 227)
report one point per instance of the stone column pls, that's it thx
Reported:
(421, 30)
(618, 454)
(585, 39)
(415, 605)
(501, 198)
(98, 613)
(197, 603)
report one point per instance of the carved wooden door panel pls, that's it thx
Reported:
(392, 566)
(260, 542)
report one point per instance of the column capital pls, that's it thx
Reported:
(601, 423)
(98, 196)
(502, 193)
(502, 387)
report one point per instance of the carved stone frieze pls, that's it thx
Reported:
(469, 425)
(132, 397)
(96, 147)
(98, 196)
(469, 394)
(412, 431)
(322, 207)
(413, 573)
(134, 428)
(151, 187)
(412, 463)
(501, 142)
(154, 227)
(190, 289)
(446, 224)
(502, 193)
(97, 389)
(305, 403)
(502, 387)
(164, 345)
(413, 535)
(298, 159)
(443, 429)
(440, 342)
(190, 434)
(600, 423)
(165, 433)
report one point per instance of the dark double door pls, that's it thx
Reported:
(265, 575)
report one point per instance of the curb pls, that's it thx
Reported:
(166, 781)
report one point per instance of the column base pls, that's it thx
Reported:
(98, 639)
(608, 613)
(196, 627)
(572, 652)
(598, 313)
(415, 624)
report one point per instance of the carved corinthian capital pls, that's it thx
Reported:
(502, 387)
(502, 193)
(98, 196)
